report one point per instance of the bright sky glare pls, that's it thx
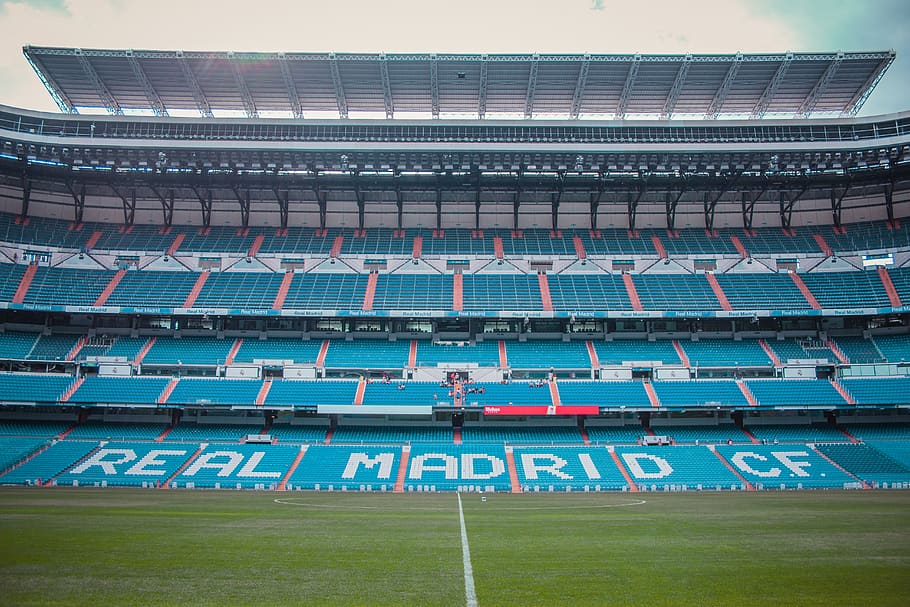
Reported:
(477, 26)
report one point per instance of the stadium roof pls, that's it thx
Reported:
(459, 85)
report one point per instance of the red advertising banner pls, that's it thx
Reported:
(542, 410)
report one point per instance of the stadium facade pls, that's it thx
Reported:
(383, 256)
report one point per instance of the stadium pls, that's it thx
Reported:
(616, 278)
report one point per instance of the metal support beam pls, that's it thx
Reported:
(580, 84)
(361, 200)
(672, 204)
(434, 86)
(167, 205)
(202, 104)
(386, 86)
(837, 200)
(809, 103)
(516, 201)
(864, 91)
(150, 93)
(129, 205)
(26, 194)
(786, 206)
(482, 90)
(767, 96)
(749, 206)
(244, 202)
(476, 199)
(283, 204)
(322, 200)
(205, 203)
(717, 103)
(633, 203)
(595, 200)
(290, 86)
(340, 99)
(249, 104)
(78, 200)
(532, 87)
(557, 198)
(399, 203)
(438, 205)
(710, 209)
(711, 201)
(889, 201)
(110, 103)
(64, 103)
(676, 89)
(631, 75)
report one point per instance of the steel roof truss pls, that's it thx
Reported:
(580, 83)
(717, 103)
(150, 93)
(532, 87)
(340, 99)
(676, 89)
(202, 104)
(386, 87)
(100, 88)
(809, 103)
(482, 91)
(767, 95)
(631, 76)
(249, 105)
(290, 86)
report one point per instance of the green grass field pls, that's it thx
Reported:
(146, 547)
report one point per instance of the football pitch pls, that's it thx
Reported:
(69, 546)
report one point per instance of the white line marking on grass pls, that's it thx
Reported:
(295, 502)
(470, 594)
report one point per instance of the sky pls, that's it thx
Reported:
(470, 26)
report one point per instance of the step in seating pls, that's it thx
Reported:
(299, 351)
(120, 390)
(188, 432)
(725, 353)
(699, 394)
(530, 435)
(346, 468)
(391, 435)
(796, 433)
(547, 354)
(128, 464)
(616, 435)
(238, 467)
(49, 463)
(567, 469)
(33, 429)
(14, 448)
(868, 463)
(215, 392)
(612, 394)
(703, 435)
(117, 431)
(457, 467)
(628, 351)
(33, 387)
(375, 354)
(685, 468)
(795, 392)
(785, 467)
(208, 351)
(300, 433)
(895, 348)
(880, 391)
(290, 392)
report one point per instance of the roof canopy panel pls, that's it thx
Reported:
(569, 86)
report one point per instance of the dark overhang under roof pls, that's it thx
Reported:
(466, 85)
